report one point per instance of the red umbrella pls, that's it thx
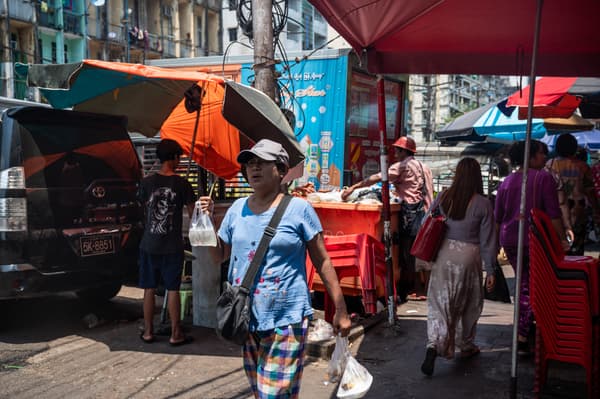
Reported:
(559, 97)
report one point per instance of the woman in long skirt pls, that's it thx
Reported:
(455, 294)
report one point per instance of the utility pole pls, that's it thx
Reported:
(264, 53)
(128, 44)
(6, 66)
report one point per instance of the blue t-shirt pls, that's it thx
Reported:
(281, 295)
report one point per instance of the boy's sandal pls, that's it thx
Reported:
(186, 340)
(146, 340)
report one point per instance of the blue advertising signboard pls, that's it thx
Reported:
(319, 88)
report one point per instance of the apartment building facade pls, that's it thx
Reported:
(304, 29)
(435, 100)
(62, 31)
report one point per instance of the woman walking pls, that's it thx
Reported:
(541, 194)
(274, 352)
(455, 294)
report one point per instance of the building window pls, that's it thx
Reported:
(233, 5)
(66, 54)
(232, 34)
(307, 42)
(53, 52)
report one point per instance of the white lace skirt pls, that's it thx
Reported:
(454, 297)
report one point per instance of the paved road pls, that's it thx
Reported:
(46, 351)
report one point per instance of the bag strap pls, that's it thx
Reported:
(270, 231)
(424, 185)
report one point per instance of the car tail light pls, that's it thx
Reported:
(13, 204)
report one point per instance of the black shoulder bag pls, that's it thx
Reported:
(233, 305)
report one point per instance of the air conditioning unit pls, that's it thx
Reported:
(167, 10)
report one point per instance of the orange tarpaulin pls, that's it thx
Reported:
(217, 142)
(152, 99)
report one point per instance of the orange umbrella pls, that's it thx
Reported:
(152, 98)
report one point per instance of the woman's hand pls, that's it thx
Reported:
(570, 235)
(341, 323)
(490, 282)
(207, 205)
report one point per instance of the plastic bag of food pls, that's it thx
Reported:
(356, 380)
(320, 331)
(340, 354)
(202, 232)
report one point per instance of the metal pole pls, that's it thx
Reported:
(6, 65)
(86, 30)
(187, 174)
(264, 53)
(126, 6)
(522, 209)
(385, 199)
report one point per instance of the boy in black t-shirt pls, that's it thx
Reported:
(164, 195)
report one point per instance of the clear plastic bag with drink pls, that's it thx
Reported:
(202, 232)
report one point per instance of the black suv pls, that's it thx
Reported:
(69, 217)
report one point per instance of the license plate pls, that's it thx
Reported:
(97, 245)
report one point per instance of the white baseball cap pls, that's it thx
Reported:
(267, 150)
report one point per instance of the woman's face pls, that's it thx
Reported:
(261, 173)
(538, 161)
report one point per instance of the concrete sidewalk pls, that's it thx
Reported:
(394, 356)
(110, 361)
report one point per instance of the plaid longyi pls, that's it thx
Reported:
(274, 361)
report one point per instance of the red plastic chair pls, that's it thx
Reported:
(562, 297)
(589, 265)
(354, 255)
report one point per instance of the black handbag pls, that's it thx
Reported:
(411, 217)
(233, 305)
(500, 292)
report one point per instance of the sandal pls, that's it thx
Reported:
(415, 297)
(186, 340)
(429, 362)
(146, 340)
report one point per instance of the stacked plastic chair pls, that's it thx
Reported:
(566, 305)
(354, 255)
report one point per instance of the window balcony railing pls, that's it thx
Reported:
(72, 22)
(116, 33)
(47, 16)
(186, 51)
(155, 43)
(18, 10)
(169, 50)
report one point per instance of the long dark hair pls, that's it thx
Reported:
(467, 182)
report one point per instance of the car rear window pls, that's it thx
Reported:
(55, 149)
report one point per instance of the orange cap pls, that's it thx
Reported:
(407, 143)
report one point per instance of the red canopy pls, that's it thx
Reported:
(469, 36)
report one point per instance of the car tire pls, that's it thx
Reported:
(100, 293)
